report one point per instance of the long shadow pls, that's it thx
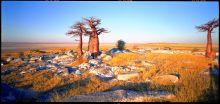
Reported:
(46, 95)
(214, 83)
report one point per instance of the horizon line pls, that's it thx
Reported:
(108, 42)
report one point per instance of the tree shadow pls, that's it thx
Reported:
(214, 82)
(46, 95)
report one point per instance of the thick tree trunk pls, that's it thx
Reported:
(209, 45)
(80, 46)
(96, 44)
(90, 45)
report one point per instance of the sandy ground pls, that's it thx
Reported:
(18, 47)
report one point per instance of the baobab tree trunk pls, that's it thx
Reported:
(209, 44)
(90, 44)
(80, 46)
(96, 44)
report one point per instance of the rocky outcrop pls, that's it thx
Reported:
(127, 76)
(118, 96)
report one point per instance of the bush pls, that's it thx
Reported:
(121, 44)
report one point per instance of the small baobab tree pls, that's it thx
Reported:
(209, 28)
(78, 29)
(93, 23)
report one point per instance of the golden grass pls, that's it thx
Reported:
(191, 85)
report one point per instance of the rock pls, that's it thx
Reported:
(45, 58)
(116, 50)
(60, 57)
(113, 51)
(16, 60)
(70, 53)
(126, 51)
(72, 70)
(163, 51)
(41, 68)
(9, 94)
(127, 76)
(167, 78)
(108, 57)
(84, 66)
(78, 72)
(87, 55)
(63, 72)
(118, 96)
(97, 71)
(117, 69)
(23, 72)
(95, 62)
(9, 59)
(143, 62)
(31, 70)
(102, 55)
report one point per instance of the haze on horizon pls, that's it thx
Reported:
(133, 22)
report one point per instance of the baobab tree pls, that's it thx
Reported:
(209, 28)
(78, 29)
(95, 31)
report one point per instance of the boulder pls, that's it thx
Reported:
(70, 53)
(107, 57)
(9, 94)
(113, 51)
(41, 68)
(119, 95)
(16, 60)
(46, 57)
(103, 55)
(116, 50)
(9, 59)
(61, 57)
(87, 55)
(84, 66)
(78, 72)
(72, 70)
(95, 61)
(22, 72)
(143, 62)
(63, 72)
(127, 76)
(99, 70)
(167, 78)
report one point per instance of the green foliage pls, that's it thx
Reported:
(121, 44)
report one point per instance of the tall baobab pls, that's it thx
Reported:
(209, 28)
(78, 29)
(95, 31)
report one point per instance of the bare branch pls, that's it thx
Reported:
(102, 30)
(209, 26)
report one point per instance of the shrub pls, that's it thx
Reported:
(121, 44)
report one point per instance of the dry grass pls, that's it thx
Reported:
(191, 86)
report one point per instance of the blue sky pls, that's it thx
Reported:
(133, 22)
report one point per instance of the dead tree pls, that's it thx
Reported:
(209, 28)
(78, 29)
(95, 31)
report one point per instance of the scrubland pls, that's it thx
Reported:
(193, 86)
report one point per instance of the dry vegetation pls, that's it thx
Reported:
(191, 87)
